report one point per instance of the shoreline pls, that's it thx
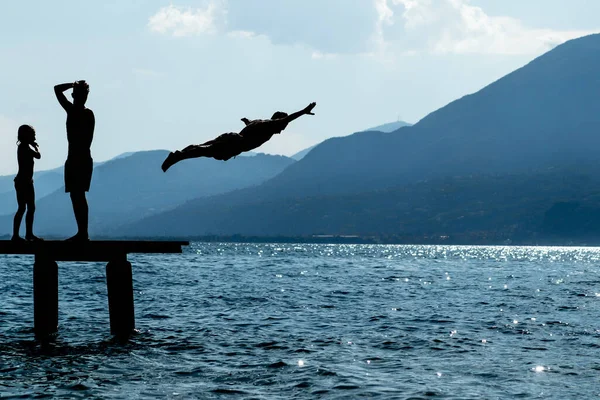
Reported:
(417, 240)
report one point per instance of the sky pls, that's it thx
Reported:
(165, 74)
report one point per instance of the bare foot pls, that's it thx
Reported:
(17, 239)
(33, 238)
(171, 159)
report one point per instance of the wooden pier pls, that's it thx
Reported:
(119, 279)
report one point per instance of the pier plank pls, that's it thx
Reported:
(95, 250)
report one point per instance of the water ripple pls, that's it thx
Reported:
(309, 321)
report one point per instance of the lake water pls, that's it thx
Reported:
(309, 321)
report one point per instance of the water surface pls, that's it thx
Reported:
(316, 321)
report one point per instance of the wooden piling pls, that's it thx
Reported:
(119, 282)
(45, 297)
(119, 278)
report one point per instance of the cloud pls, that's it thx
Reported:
(457, 27)
(327, 26)
(317, 55)
(332, 26)
(179, 21)
(241, 34)
(390, 27)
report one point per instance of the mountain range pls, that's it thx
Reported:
(542, 117)
(137, 188)
(516, 159)
(389, 127)
(128, 188)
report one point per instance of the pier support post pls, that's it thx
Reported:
(45, 296)
(119, 282)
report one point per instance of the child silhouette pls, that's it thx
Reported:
(27, 150)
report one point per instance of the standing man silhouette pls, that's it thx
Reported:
(79, 164)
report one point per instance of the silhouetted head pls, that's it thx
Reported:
(26, 134)
(80, 92)
(279, 115)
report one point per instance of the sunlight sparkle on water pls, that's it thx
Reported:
(329, 295)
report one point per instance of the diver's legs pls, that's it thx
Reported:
(191, 151)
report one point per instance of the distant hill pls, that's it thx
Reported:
(46, 182)
(126, 189)
(389, 127)
(300, 155)
(485, 208)
(123, 155)
(6, 183)
(542, 116)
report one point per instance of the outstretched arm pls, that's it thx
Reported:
(58, 91)
(305, 111)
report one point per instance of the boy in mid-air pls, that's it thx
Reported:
(229, 145)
